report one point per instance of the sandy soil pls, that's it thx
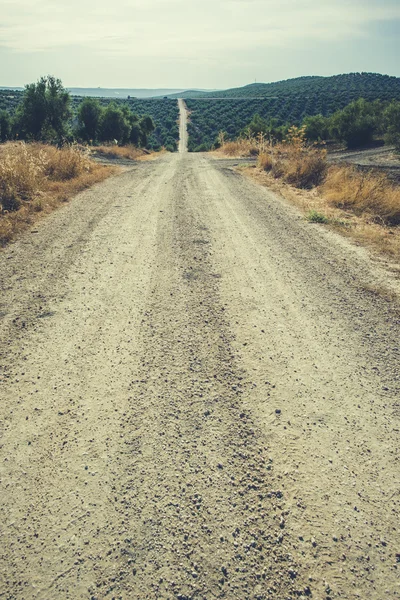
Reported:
(200, 399)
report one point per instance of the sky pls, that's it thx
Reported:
(194, 43)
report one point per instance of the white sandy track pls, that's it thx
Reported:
(200, 399)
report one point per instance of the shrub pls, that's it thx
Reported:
(305, 169)
(355, 124)
(265, 162)
(391, 118)
(316, 217)
(297, 163)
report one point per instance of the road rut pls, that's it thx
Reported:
(200, 398)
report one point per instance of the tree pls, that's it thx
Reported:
(391, 119)
(114, 124)
(256, 126)
(147, 126)
(89, 118)
(354, 125)
(317, 128)
(44, 111)
(5, 126)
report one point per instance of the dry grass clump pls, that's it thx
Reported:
(128, 152)
(295, 162)
(361, 192)
(21, 176)
(240, 148)
(35, 178)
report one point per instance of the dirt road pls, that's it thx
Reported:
(183, 134)
(199, 399)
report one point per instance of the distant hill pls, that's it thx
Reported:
(370, 86)
(120, 92)
(285, 101)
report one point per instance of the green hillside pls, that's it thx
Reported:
(286, 101)
(348, 87)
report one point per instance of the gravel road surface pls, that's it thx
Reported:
(199, 398)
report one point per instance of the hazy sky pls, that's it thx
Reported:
(194, 43)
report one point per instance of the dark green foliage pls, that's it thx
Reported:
(44, 112)
(209, 117)
(163, 112)
(391, 121)
(164, 115)
(355, 124)
(5, 126)
(317, 128)
(89, 119)
(147, 127)
(114, 125)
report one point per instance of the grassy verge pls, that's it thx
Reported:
(36, 178)
(364, 205)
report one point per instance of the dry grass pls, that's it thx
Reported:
(36, 178)
(128, 152)
(368, 192)
(240, 148)
(294, 161)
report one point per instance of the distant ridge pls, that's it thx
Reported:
(351, 85)
(120, 92)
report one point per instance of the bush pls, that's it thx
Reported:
(297, 163)
(355, 124)
(114, 125)
(391, 118)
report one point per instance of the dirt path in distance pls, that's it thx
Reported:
(183, 134)
(200, 399)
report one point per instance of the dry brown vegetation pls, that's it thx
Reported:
(363, 204)
(368, 192)
(128, 152)
(36, 178)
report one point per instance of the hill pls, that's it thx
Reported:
(285, 101)
(348, 87)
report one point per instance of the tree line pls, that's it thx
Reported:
(358, 124)
(45, 114)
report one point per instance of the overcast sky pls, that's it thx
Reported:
(194, 43)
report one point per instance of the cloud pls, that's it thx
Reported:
(170, 27)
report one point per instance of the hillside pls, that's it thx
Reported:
(351, 86)
(286, 101)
